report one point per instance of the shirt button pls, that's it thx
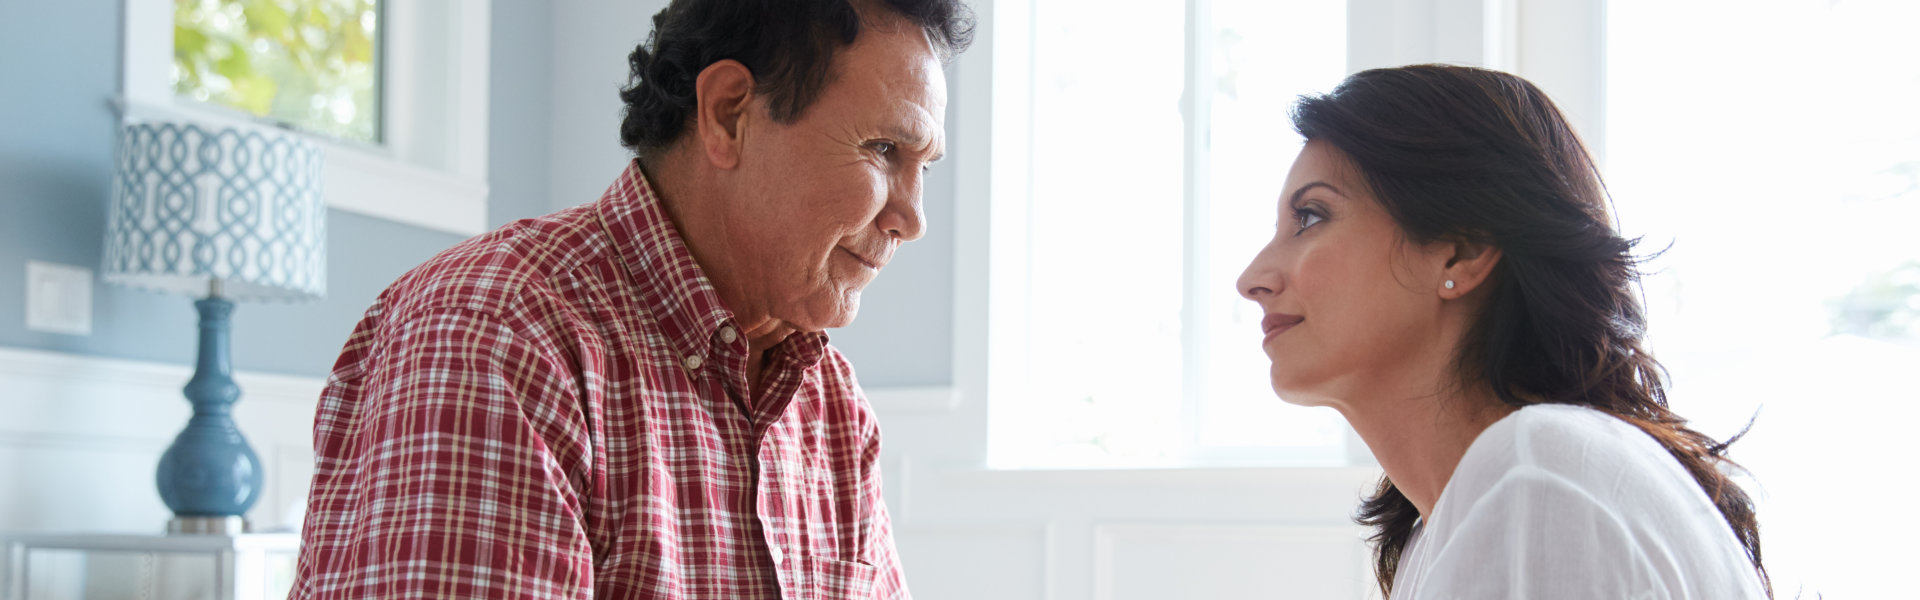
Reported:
(777, 554)
(728, 335)
(693, 362)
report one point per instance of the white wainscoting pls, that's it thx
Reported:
(80, 437)
(1153, 561)
(1012, 561)
(1129, 534)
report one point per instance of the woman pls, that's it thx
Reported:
(1446, 276)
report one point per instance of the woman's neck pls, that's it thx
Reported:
(1419, 439)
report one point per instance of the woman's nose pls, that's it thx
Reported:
(1261, 277)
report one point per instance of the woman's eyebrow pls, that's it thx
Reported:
(1303, 190)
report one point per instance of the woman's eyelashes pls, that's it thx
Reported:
(1307, 216)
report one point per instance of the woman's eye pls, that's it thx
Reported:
(1307, 217)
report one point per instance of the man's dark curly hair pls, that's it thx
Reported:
(787, 44)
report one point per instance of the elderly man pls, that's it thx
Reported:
(633, 398)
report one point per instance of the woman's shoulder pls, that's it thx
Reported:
(1608, 459)
(1576, 440)
(1592, 465)
(1558, 487)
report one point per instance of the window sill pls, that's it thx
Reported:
(1180, 477)
(930, 400)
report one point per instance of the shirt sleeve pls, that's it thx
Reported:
(1535, 535)
(447, 476)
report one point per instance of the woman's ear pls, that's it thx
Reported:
(721, 96)
(1470, 266)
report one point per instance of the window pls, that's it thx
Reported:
(311, 65)
(1773, 150)
(1156, 144)
(396, 93)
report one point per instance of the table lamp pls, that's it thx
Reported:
(235, 215)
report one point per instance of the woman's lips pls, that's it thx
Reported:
(1278, 323)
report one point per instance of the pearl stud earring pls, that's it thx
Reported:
(1449, 284)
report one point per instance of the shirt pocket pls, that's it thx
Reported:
(829, 579)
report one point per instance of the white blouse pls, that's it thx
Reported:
(1567, 502)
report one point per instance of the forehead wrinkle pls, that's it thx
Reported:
(910, 134)
(912, 83)
(914, 126)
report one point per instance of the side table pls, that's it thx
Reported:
(243, 564)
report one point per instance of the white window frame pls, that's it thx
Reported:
(1558, 44)
(431, 170)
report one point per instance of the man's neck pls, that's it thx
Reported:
(687, 198)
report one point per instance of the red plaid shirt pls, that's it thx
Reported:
(558, 409)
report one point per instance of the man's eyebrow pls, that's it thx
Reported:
(908, 137)
(1297, 194)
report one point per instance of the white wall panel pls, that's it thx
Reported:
(71, 483)
(1085, 511)
(967, 562)
(82, 437)
(1153, 562)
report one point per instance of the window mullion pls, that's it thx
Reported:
(1195, 110)
(1561, 47)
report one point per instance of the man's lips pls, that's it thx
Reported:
(870, 263)
(1277, 323)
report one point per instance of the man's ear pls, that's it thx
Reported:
(721, 97)
(1470, 266)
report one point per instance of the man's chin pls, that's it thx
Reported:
(828, 313)
(843, 315)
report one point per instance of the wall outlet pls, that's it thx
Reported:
(59, 298)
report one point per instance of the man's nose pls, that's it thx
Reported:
(903, 217)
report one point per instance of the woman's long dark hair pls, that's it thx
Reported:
(1465, 154)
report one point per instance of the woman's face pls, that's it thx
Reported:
(1349, 306)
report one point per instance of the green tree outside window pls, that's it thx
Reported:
(311, 64)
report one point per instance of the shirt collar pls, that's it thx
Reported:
(669, 282)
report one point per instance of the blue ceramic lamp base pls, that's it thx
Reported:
(210, 476)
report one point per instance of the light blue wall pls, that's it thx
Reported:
(520, 100)
(59, 67)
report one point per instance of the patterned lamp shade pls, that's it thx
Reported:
(192, 204)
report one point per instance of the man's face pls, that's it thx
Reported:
(827, 199)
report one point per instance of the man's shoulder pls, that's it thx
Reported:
(495, 272)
